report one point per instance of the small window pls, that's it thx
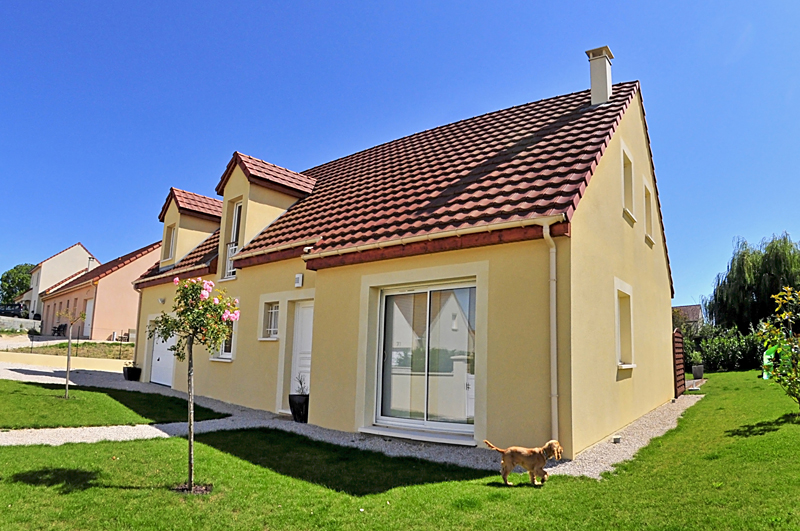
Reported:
(648, 215)
(169, 242)
(226, 350)
(624, 311)
(627, 186)
(270, 320)
(58, 315)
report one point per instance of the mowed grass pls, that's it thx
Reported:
(732, 463)
(35, 405)
(110, 351)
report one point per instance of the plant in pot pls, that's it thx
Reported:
(298, 402)
(697, 365)
(131, 372)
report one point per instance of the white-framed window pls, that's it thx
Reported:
(232, 247)
(169, 243)
(270, 324)
(648, 216)
(227, 349)
(624, 322)
(426, 359)
(627, 186)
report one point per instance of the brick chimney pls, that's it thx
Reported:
(600, 68)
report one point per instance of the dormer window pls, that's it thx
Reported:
(169, 243)
(232, 244)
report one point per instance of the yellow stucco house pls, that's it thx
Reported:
(502, 277)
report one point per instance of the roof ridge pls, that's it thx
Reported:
(272, 164)
(418, 133)
(65, 250)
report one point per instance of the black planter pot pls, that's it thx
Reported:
(697, 372)
(132, 373)
(299, 406)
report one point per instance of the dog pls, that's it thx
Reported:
(531, 459)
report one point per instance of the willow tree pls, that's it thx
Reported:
(202, 316)
(742, 296)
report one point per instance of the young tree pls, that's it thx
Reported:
(200, 315)
(71, 320)
(780, 333)
(14, 282)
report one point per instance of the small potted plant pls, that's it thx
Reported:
(298, 402)
(131, 372)
(697, 365)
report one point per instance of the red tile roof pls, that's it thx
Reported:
(268, 175)
(201, 261)
(65, 250)
(692, 312)
(510, 166)
(106, 269)
(193, 204)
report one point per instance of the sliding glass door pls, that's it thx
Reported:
(427, 373)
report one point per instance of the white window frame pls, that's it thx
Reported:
(625, 288)
(627, 206)
(648, 216)
(171, 247)
(393, 422)
(228, 357)
(270, 314)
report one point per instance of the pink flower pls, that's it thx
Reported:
(236, 301)
(175, 281)
(235, 316)
(208, 286)
(210, 283)
(216, 300)
(203, 295)
(226, 315)
(193, 281)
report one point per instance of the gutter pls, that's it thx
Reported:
(545, 223)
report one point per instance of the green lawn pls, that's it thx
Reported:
(732, 463)
(34, 405)
(84, 349)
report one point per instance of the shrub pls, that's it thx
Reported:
(729, 350)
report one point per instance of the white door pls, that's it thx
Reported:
(301, 346)
(87, 323)
(162, 362)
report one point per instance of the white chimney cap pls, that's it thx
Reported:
(603, 51)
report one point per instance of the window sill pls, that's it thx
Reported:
(417, 435)
(221, 360)
(649, 240)
(628, 215)
(227, 279)
(626, 366)
(268, 338)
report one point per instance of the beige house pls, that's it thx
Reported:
(502, 277)
(51, 273)
(105, 294)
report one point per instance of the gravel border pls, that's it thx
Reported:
(592, 462)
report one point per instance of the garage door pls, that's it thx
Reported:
(162, 362)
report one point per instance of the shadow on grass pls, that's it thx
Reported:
(762, 428)
(156, 408)
(349, 470)
(67, 480)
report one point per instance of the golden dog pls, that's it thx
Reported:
(531, 459)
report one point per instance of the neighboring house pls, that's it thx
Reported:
(105, 294)
(502, 277)
(49, 274)
(693, 313)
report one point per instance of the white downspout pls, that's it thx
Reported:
(553, 327)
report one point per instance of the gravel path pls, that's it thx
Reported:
(592, 462)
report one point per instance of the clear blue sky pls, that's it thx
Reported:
(104, 106)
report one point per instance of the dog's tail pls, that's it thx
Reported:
(493, 447)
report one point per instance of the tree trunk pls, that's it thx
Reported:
(69, 357)
(189, 346)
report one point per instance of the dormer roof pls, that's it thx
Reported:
(202, 260)
(193, 205)
(267, 175)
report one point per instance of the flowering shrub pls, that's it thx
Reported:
(202, 314)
